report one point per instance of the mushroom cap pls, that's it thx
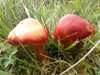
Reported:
(28, 31)
(71, 28)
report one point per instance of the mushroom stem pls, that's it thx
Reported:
(40, 53)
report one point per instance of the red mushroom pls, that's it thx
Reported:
(71, 28)
(30, 31)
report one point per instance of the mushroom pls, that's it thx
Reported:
(71, 28)
(29, 31)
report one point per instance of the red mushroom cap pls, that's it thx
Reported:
(72, 27)
(28, 31)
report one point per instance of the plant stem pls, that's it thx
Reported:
(98, 42)
(40, 53)
(26, 10)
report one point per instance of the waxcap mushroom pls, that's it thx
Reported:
(30, 31)
(71, 28)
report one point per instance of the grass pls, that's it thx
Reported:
(19, 60)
